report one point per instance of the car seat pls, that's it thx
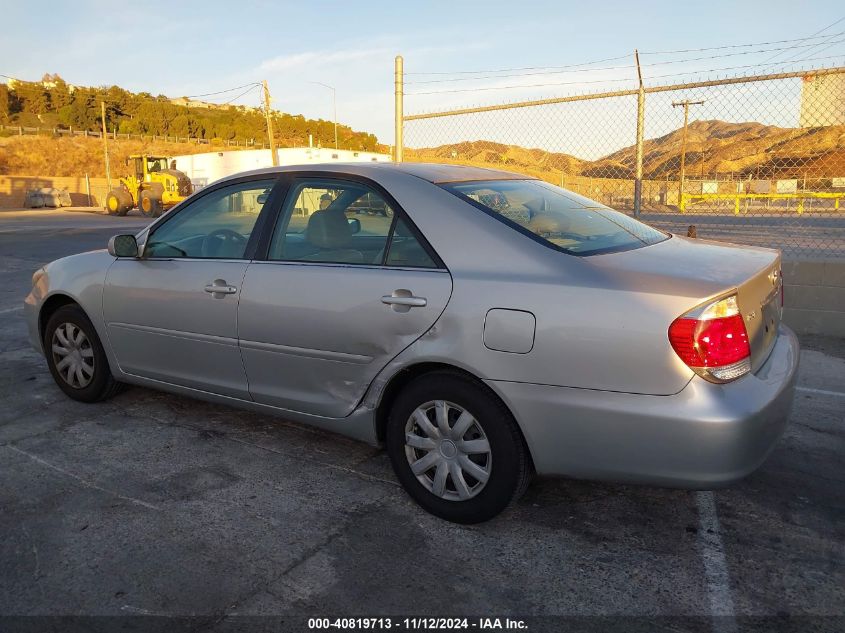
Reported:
(329, 231)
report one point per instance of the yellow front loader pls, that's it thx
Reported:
(154, 187)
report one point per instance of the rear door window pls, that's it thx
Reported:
(344, 222)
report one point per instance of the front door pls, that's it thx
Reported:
(171, 315)
(347, 284)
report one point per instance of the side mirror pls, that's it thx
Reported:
(355, 223)
(123, 246)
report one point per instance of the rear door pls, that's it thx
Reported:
(336, 297)
(171, 315)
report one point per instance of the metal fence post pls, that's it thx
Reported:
(398, 77)
(638, 176)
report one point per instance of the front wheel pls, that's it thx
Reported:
(456, 448)
(76, 357)
(116, 202)
(149, 204)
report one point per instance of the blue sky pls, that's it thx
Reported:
(190, 48)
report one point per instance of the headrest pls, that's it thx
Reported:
(328, 229)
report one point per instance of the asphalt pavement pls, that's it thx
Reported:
(154, 504)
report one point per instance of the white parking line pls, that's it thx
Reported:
(85, 482)
(821, 392)
(8, 310)
(715, 564)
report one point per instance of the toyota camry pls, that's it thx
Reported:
(482, 327)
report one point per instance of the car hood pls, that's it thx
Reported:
(70, 261)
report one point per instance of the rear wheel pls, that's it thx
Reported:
(76, 357)
(456, 449)
(149, 204)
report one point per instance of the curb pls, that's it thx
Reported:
(96, 210)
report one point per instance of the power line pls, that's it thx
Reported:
(831, 45)
(568, 83)
(612, 59)
(248, 90)
(552, 72)
(252, 85)
(504, 70)
(826, 42)
(481, 89)
(659, 63)
(726, 46)
(815, 35)
(220, 92)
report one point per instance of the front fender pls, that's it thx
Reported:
(78, 278)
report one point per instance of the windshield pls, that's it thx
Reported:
(156, 164)
(557, 217)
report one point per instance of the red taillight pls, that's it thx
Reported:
(713, 341)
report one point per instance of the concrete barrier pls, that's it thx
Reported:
(814, 297)
(13, 189)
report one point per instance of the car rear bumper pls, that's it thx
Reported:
(705, 436)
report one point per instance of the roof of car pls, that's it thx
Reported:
(436, 173)
(441, 173)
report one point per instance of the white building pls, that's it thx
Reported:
(823, 100)
(203, 169)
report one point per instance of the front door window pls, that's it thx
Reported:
(216, 226)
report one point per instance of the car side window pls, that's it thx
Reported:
(405, 250)
(343, 222)
(215, 226)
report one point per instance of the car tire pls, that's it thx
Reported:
(149, 204)
(496, 477)
(116, 203)
(93, 381)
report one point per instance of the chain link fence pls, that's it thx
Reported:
(754, 160)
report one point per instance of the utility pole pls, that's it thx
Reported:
(399, 114)
(686, 103)
(638, 175)
(105, 143)
(334, 104)
(275, 156)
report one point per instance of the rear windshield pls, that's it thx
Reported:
(557, 217)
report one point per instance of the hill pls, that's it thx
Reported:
(77, 156)
(713, 147)
(498, 156)
(54, 103)
(742, 149)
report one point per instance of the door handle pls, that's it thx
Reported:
(220, 287)
(403, 300)
(411, 302)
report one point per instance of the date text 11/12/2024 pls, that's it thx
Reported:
(416, 624)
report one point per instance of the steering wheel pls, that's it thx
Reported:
(223, 240)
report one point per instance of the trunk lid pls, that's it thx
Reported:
(701, 270)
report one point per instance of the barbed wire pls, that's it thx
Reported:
(814, 35)
(475, 72)
(608, 80)
(627, 56)
(627, 66)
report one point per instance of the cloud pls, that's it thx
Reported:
(351, 54)
(320, 58)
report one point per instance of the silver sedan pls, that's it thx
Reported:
(483, 326)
